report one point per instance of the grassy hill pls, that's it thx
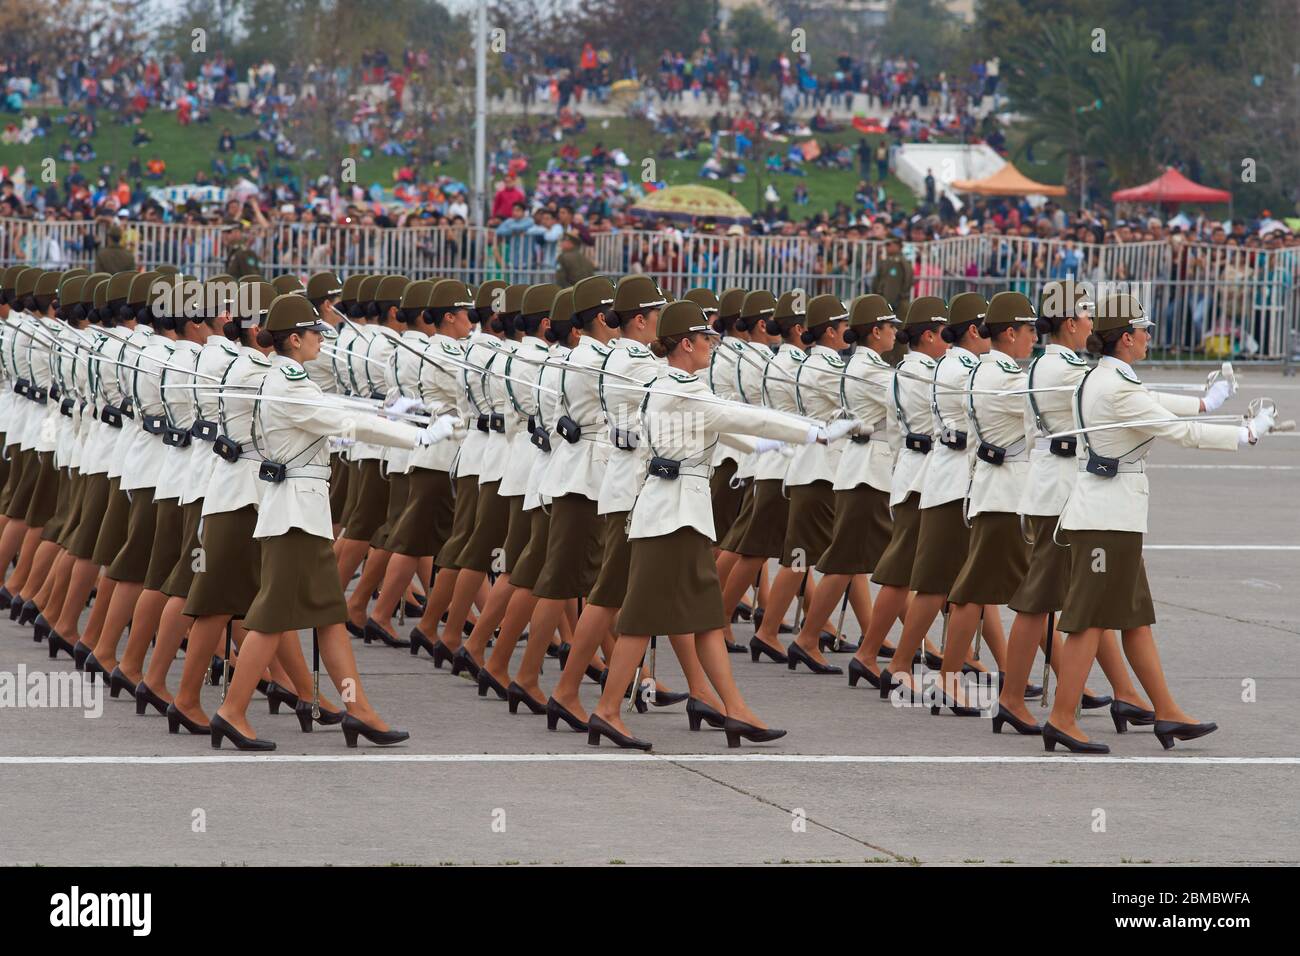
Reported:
(186, 150)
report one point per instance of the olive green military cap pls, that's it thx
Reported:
(88, 286)
(323, 285)
(967, 307)
(450, 294)
(926, 309)
(351, 286)
(562, 306)
(538, 299)
(1119, 311)
(73, 273)
(254, 300)
(8, 277)
(597, 292)
(730, 303)
(221, 295)
(417, 295)
(25, 284)
(790, 309)
(290, 312)
(684, 317)
(1064, 300)
(99, 297)
(871, 308)
(705, 299)
(514, 300)
(166, 270)
(490, 295)
(390, 288)
(141, 288)
(1008, 308)
(635, 293)
(119, 284)
(70, 290)
(758, 304)
(287, 283)
(824, 309)
(366, 290)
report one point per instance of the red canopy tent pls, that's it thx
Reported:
(1171, 186)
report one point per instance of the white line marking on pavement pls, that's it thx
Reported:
(1229, 467)
(1221, 547)
(615, 757)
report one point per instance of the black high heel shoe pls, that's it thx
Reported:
(434, 648)
(1005, 716)
(597, 728)
(959, 709)
(28, 613)
(556, 712)
(828, 644)
(933, 660)
(80, 652)
(736, 729)
(375, 632)
(40, 629)
(413, 609)
(638, 700)
(758, 649)
(596, 674)
(859, 671)
(1052, 737)
(215, 670)
(782, 628)
(144, 697)
(486, 681)
(327, 718)
(562, 654)
(1167, 731)
(354, 630)
(885, 653)
(176, 720)
(795, 655)
(222, 729)
(698, 710)
(886, 683)
(95, 669)
(743, 612)
(383, 738)
(118, 682)
(461, 660)
(57, 643)
(1088, 702)
(662, 698)
(1032, 691)
(277, 695)
(6, 599)
(733, 647)
(16, 606)
(1122, 713)
(515, 695)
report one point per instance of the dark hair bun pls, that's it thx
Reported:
(1045, 326)
(264, 338)
(1095, 344)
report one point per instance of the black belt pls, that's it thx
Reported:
(227, 448)
(111, 415)
(482, 423)
(497, 422)
(66, 406)
(177, 437)
(21, 386)
(915, 441)
(953, 439)
(204, 430)
(155, 424)
(1064, 447)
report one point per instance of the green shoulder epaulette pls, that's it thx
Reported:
(451, 349)
(834, 361)
(926, 360)
(875, 359)
(1127, 377)
(1073, 359)
(639, 351)
(799, 356)
(1011, 368)
(968, 361)
(230, 350)
(683, 377)
(260, 359)
(293, 374)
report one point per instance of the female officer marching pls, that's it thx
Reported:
(299, 581)
(1106, 516)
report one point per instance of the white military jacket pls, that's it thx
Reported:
(496, 403)
(297, 436)
(402, 376)
(234, 484)
(123, 347)
(578, 467)
(817, 394)
(215, 358)
(548, 412)
(999, 420)
(146, 462)
(909, 408)
(181, 411)
(778, 390)
(521, 403)
(625, 469)
(948, 470)
(1051, 476)
(867, 397)
(369, 356)
(1111, 392)
(722, 376)
(664, 505)
(749, 389)
(443, 392)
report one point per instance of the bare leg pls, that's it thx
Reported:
(336, 653)
(119, 615)
(920, 615)
(11, 540)
(784, 588)
(697, 681)
(172, 627)
(46, 553)
(26, 555)
(144, 625)
(594, 626)
(104, 598)
(444, 586)
(1112, 665)
(205, 635)
(468, 587)
(628, 652)
(1027, 631)
(545, 619)
(1077, 656)
(1140, 649)
(829, 591)
(518, 611)
(717, 664)
(962, 621)
(738, 582)
(399, 569)
(493, 611)
(371, 576)
(891, 604)
(350, 554)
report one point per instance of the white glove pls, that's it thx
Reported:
(764, 445)
(1216, 395)
(440, 429)
(401, 405)
(338, 444)
(839, 428)
(1263, 423)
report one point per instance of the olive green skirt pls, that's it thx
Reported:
(672, 586)
(371, 505)
(131, 563)
(353, 471)
(610, 588)
(28, 465)
(462, 522)
(398, 487)
(67, 501)
(76, 508)
(728, 541)
(764, 533)
(524, 572)
(491, 524)
(995, 563)
(5, 468)
(1108, 582)
(1045, 583)
(894, 569)
(423, 525)
(13, 465)
(44, 500)
(299, 585)
(338, 487)
(941, 547)
(726, 499)
(573, 549)
(228, 578)
(168, 536)
(112, 532)
(808, 524)
(860, 533)
(178, 583)
(80, 538)
(517, 533)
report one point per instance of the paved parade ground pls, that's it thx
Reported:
(855, 781)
